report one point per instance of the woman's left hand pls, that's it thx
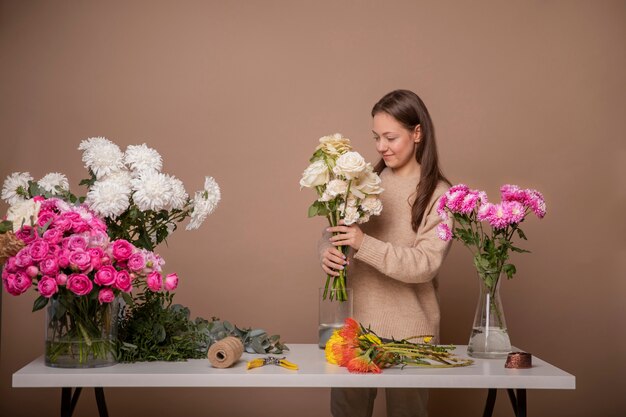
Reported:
(346, 235)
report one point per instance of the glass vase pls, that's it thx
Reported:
(489, 338)
(81, 332)
(334, 309)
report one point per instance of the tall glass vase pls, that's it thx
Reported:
(490, 338)
(333, 311)
(81, 332)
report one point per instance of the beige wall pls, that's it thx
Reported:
(531, 93)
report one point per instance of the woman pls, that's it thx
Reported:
(395, 257)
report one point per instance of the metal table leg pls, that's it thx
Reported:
(518, 402)
(69, 400)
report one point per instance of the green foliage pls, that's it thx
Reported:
(154, 329)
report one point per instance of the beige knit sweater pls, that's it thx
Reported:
(394, 273)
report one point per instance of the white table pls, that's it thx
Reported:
(314, 372)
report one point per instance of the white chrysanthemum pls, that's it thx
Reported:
(23, 212)
(101, 156)
(141, 158)
(333, 189)
(15, 187)
(179, 195)
(51, 181)
(123, 178)
(204, 203)
(109, 197)
(372, 205)
(152, 191)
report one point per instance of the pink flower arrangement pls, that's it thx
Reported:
(68, 253)
(470, 208)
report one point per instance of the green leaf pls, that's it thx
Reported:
(521, 234)
(128, 299)
(510, 270)
(6, 226)
(519, 250)
(313, 210)
(40, 303)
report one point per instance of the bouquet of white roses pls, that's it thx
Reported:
(347, 189)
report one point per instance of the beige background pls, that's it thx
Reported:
(531, 93)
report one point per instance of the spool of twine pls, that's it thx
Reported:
(226, 352)
(9, 246)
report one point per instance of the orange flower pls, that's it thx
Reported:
(351, 331)
(363, 364)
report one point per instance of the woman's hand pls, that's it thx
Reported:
(333, 261)
(346, 235)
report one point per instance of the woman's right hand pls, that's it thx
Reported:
(333, 260)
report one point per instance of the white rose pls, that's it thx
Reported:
(369, 184)
(23, 212)
(372, 205)
(315, 174)
(350, 165)
(365, 217)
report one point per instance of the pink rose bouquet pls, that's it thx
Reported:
(68, 257)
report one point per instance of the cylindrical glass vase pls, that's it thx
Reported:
(81, 332)
(489, 338)
(333, 312)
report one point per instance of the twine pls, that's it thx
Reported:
(9, 246)
(226, 352)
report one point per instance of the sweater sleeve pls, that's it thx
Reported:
(412, 265)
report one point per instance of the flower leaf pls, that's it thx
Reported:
(40, 303)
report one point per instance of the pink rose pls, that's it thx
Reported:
(79, 284)
(32, 271)
(137, 262)
(63, 258)
(107, 275)
(96, 224)
(18, 283)
(23, 259)
(38, 249)
(76, 242)
(122, 250)
(45, 218)
(106, 295)
(80, 260)
(98, 239)
(27, 234)
(62, 223)
(171, 282)
(53, 236)
(49, 265)
(10, 265)
(154, 281)
(47, 286)
(96, 255)
(123, 281)
(61, 279)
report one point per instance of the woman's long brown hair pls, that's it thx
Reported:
(407, 108)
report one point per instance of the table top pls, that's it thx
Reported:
(313, 371)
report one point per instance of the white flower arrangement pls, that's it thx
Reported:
(127, 189)
(346, 185)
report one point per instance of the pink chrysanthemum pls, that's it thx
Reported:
(455, 199)
(441, 207)
(534, 200)
(499, 218)
(512, 193)
(515, 210)
(469, 202)
(485, 211)
(444, 232)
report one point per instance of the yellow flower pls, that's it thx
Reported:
(427, 339)
(372, 338)
(334, 145)
(330, 351)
